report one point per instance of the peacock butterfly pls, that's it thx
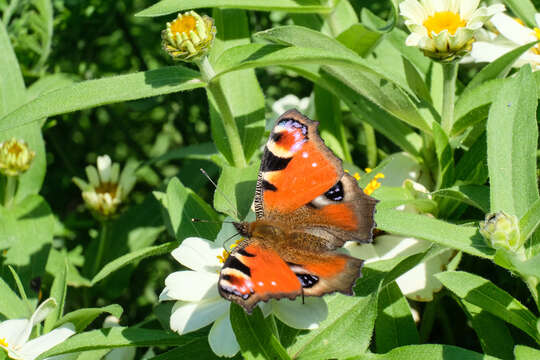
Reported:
(306, 208)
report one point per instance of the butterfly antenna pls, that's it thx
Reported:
(302, 290)
(221, 193)
(197, 220)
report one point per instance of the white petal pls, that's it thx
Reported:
(192, 285)
(537, 19)
(412, 10)
(361, 251)
(300, 315)
(198, 254)
(104, 168)
(11, 330)
(512, 30)
(391, 246)
(287, 102)
(467, 8)
(488, 51)
(187, 317)
(413, 39)
(39, 345)
(221, 337)
(38, 316)
(441, 40)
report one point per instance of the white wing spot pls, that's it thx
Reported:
(274, 283)
(261, 283)
(314, 164)
(305, 155)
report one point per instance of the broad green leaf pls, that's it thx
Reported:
(464, 238)
(394, 326)
(11, 306)
(492, 332)
(196, 349)
(165, 7)
(12, 89)
(346, 332)
(498, 68)
(133, 257)
(524, 9)
(81, 318)
(427, 351)
(98, 92)
(254, 336)
(49, 83)
(26, 232)
(204, 151)
(445, 157)
(56, 262)
(58, 293)
(484, 294)
(523, 352)
(183, 205)
(529, 221)
(241, 88)
(42, 25)
(512, 138)
(472, 167)
(118, 337)
(474, 195)
(235, 189)
(530, 267)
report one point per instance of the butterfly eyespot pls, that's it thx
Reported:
(307, 280)
(335, 193)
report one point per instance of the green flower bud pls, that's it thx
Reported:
(501, 231)
(189, 36)
(106, 188)
(15, 157)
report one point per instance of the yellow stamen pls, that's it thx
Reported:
(374, 184)
(225, 254)
(519, 21)
(356, 176)
(185, 24)
(3, 342)
(444, 20)
(368, 170)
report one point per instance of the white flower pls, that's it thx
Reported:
(199, 304)
(512, 34)
(289, 102)
(122, 353)
(14, 334)
(445, 29)
(107, 188)
(418, 283)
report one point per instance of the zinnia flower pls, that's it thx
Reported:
(199, 304)
(512, 33)
(107, 188)
(15, 157)
(14, 334)
(445, 29)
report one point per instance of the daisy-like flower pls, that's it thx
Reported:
(199, 304)
(445, 29)
(418, 283)
(189, 36)
(15, 334)
(15, 157)
(512, 33)
(106, 188)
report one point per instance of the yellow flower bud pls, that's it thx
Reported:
(15, 157)
(189, 36)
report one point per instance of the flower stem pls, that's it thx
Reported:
(9, 191)
(231, 129)
(449, 93)
(371, 145)
(101, 247)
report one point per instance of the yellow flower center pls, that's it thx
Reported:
(374, 184)
(15, 148)
(107, 187)
(3, 342)
(444, 20)
(225, 254)
(184, 24)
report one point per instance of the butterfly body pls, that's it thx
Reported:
(307, 207)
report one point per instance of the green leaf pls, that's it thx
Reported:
(133, 257)
(165, 7)
(530, 267)
(55, 264)
(98, 92)
(254, 336)
(235, 189)
(474, 195)
(492, 332)
(394, 326)
(524, 9)
(427, 351)
(346, 331)
(241, 88)
(58, 293)
(464, 238)
(359, 39)
(203, 151)
(512, 138)
(500, 67)
(484, 294)
(11, 306)
(12, 89)
(445, 157)
(472, 167)
(183, 205)
(118, 337)
(530, 221)
(196, 349)
(523, 352)
(81, 318)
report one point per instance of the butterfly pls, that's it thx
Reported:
(306, 208)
